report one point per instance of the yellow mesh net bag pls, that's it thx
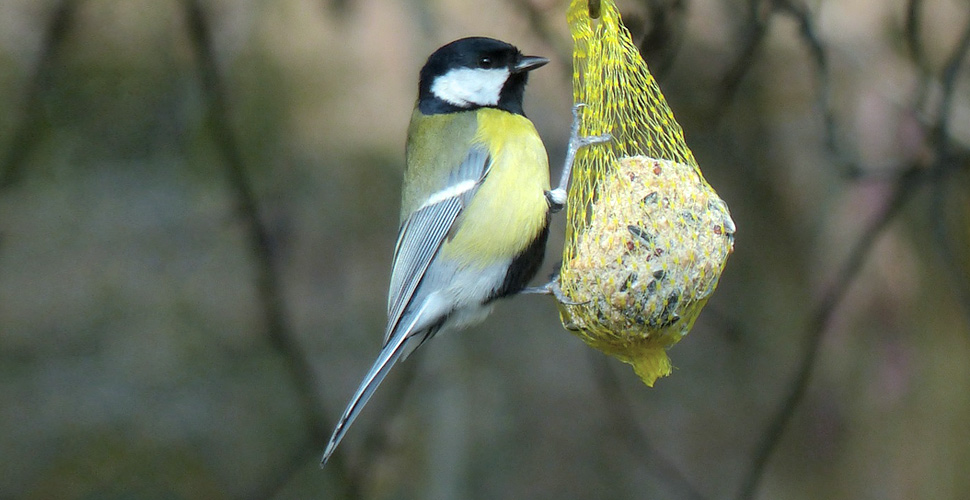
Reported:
(647, 237)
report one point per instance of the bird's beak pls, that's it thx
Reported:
(529, 63)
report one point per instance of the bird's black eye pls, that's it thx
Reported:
(485, 62)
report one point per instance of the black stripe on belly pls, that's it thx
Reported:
(524, 266)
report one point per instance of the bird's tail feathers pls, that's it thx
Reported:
(392, 350)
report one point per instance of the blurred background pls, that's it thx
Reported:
(198, 204)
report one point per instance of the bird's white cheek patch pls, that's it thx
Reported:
(470, 86)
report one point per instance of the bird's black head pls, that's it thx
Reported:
(473, 73)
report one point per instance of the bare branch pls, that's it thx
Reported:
(912, 35)
(948, 83)
(756, 27)
(816, 49)
(268, 281)
(905, 187)
(28, 131)
(945, 167)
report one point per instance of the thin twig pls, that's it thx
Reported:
(912, 36)
(661, 34)
(757, 28)
(905, 187)
(268, 282)
(816, 49)
(945, 167)
(948, 81)
(28, 130)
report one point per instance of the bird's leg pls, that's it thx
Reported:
(557, 197)
(552, 288)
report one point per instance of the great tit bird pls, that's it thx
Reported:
(475, 204)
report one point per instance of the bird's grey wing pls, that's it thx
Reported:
(423, 232)
(419, 240)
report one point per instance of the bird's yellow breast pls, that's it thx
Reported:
(509, 209)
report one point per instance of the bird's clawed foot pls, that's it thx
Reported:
(553, 288)
(557, 196)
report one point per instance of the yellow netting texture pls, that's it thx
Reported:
(647, 237)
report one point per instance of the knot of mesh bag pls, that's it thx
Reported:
(646, 236)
